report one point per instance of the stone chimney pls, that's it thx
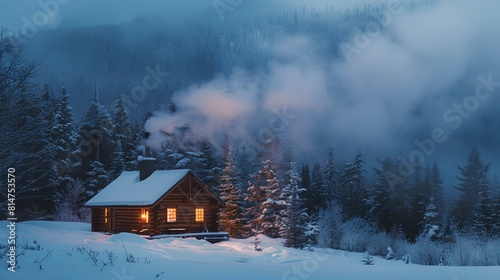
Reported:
(146, 166)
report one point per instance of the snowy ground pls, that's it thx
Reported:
(194, 259)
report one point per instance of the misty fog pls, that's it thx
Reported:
(371, 76)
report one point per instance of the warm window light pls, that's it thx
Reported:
(106, 215)
(171, 215)
(145, 215)
(200, 214)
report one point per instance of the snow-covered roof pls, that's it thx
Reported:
(127, 190)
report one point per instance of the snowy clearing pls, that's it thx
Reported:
(64, 250)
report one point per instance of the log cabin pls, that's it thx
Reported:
(153, 202)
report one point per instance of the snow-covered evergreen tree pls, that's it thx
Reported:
(230, 219)
(65, 140)
(420, 193)
(96, 132)
(354, 193)
(244, 160)
(256, 242)
(436, 185)
(316, 194)
(263, 199)
(305, 177)
(48, 105)
(484, 213)
(121, 139)
(164, 162)
(379, 200)
(271, 208)
(210, 166)
(254, 197)
(121, 123)
(432, 228)
(426, 183)
(330, 176)
(473, 180)
(184, 161)
(118, 163)
(132, 151)
(294, 217)
(97, 179)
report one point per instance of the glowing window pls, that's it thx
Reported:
(200, 215)
(171, 215)
(145, 215)
(106, 215)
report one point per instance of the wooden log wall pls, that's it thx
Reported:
(186, 198)
(128, 220)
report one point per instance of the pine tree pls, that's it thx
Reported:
(316, 196)
(271, 208)
(436, 186)
(425, 187)
(400, 201)
(118, 163)
(368, 260)
(305, 175)
(186, 160)
(210, 165)
(294, 216)
(132, 151)
(420, 191)
(65, 141)
(330, 174)
(96, 132)
(121, 123)
(263, 198)
(97, 179)
(354, 191)
(164, 159)
(484, 213)
(254, 197)
(256, 241)
(121, 139)
(48, 107)
(230, 219)
(380, 195)
(473, 180)
(432, 228)
(244, 159)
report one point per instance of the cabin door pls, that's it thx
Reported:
(109, 219)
